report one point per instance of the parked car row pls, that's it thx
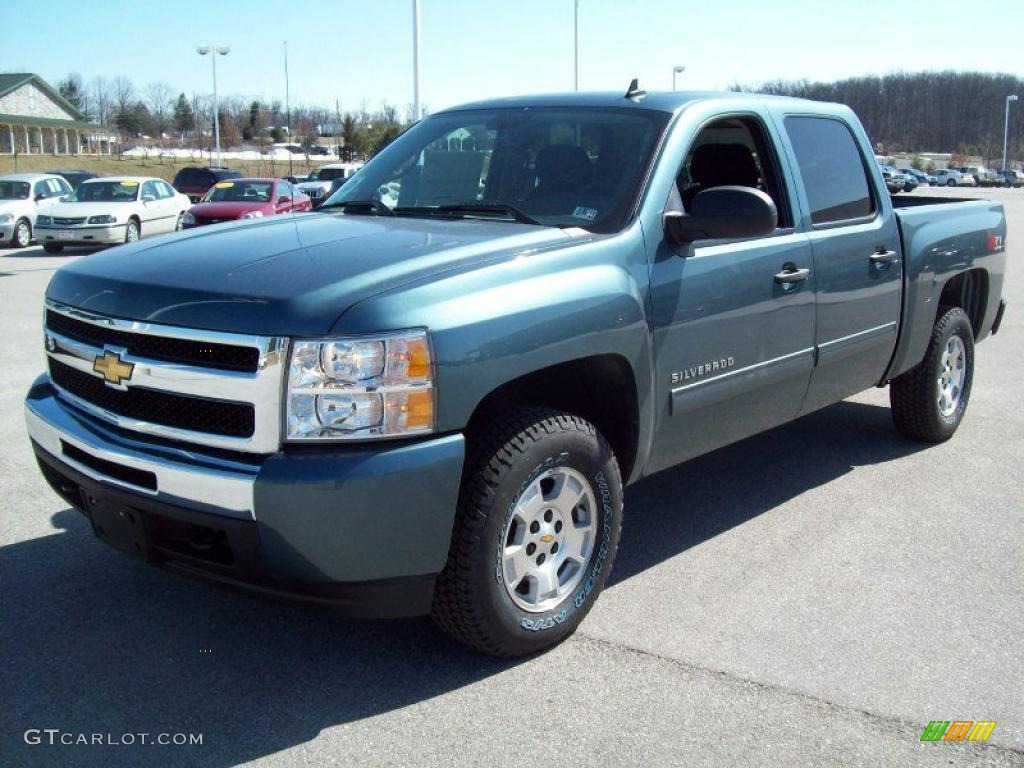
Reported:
(79, 208)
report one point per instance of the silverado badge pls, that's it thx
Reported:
(112, 367)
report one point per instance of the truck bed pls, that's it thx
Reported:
(944, 237)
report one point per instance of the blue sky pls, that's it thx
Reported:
(361, 51)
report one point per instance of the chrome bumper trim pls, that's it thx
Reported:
(221, 491)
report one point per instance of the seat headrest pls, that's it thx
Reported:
(718, 165)
(561, 163)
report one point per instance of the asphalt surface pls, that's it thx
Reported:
(811, 596)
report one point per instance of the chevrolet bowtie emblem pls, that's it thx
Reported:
(547, 538)
(113, 368)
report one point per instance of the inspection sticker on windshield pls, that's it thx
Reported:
(589, 214)
(224, 184)
(128, 183)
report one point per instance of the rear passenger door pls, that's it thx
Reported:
(857, 258)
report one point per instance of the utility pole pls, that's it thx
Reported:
(416, 60)
(1006, 126)
(576, 46)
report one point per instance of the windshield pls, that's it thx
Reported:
(563, 167)
(105, 192)
(330, 174)
(240, 192)
(14, 190)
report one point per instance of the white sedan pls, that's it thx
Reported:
(112, 210)
(23, 196)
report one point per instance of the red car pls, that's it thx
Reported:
(246, 199)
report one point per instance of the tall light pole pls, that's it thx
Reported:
(215, 51)
(416, 59)
(576, 46)
(287, 107)
(676, 70)
(1006, 126)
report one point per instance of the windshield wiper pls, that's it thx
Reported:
(516, 213)
(376, 206)
(459, 209)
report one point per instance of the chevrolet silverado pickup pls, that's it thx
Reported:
(427, 397)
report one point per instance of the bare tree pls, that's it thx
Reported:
(100, 100)
(158, 100)
(124, 99)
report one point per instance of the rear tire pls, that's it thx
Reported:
(53, 248)
(928, 402)
(951, 183)
(535, 534)
(22, 234)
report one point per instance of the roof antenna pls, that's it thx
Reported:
(634, 91)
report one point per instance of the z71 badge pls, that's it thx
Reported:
(697, 371)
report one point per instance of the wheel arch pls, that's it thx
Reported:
(969, 291)
(600, 388)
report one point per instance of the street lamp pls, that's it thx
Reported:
(676, 70)
(1006, 126)
(416, 60)
(202, 51)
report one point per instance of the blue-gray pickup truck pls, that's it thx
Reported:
(427, 397)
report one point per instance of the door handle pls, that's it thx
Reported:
(790, 274)
(882, 256)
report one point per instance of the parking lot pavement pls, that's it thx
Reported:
(814, 595)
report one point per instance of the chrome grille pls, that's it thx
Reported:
(214, 389)
(66, 222)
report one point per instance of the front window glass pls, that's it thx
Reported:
(240, 192)
(579, 167)
(105, 192)
(14, 190)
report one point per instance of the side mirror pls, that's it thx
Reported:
(37, 198)
(723, 213)
(148, 198)
(283, 200)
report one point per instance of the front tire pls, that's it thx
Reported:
(951, 183)
(131, 231)
(535, 534)
(22, 234)
(929, 401)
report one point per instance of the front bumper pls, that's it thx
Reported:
(364, 529)
(81, 235)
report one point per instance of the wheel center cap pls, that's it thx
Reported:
(547, 538)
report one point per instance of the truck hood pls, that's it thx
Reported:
(286, 275)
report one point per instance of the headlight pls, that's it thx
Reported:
(252, 215)
(103, 219)
(43, 220)
(358, 388)
(188, 218)
(5, 218)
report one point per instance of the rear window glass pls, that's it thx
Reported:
(832, 169)
(193, 177)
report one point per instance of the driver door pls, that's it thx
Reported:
(734, 345)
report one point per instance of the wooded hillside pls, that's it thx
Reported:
(960, 112)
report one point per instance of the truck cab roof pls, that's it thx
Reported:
(661, 101)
